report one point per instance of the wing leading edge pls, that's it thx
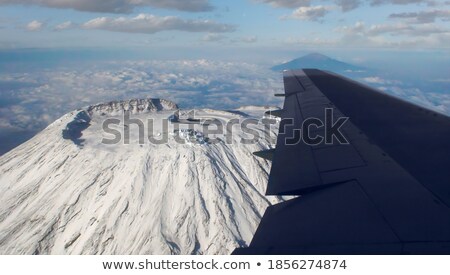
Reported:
(387, 191)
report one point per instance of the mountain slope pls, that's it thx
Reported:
(73, 194)
(317, 61)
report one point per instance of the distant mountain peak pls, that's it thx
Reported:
(315, 56)
(316, 61)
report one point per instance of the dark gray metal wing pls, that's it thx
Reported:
(387, 191)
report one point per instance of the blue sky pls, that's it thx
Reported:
(379, 24)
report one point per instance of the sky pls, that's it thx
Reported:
(60, 55)
(381, 24)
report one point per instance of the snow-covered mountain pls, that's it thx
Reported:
(67, 192)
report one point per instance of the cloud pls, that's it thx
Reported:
(429, 3)
(191, 83)
(380, 81)
(401, 29)
(348, 5)
(313, 13)
(406, 29)
(116, 6)
(213, 37)
(64, 26)
(423, 16)
(287, 3)
(148, 23)
(34, 26)
(400, 2)
(247, 39)
(398, 35)
(359, 35)
(436, 101)
(345, 5)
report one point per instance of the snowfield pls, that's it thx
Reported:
(72, 194)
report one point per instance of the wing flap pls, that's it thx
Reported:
(320, 220)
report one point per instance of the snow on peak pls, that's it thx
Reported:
(131, 198)
(134, 106)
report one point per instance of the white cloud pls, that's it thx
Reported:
(213, 37)
(348, 5)
(116, 6)
(64, 26)
(287, 3)
(401, 2)
(423, 16)
(5, 125)
(313, 13)
(345, 5)
(191, 83)
(406, 29)
(402, 29)
(34, 26)
(395, 35)
(380, 81)
(435, 101)
(374, 80)
(148, 23)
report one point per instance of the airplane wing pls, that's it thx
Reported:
(384, 189)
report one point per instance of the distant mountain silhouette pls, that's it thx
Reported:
(317, 61)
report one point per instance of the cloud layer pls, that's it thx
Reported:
(148, 23)
(400, 2)
(32, 101)
(287, 3)
(423, 16)
(396, 29)
(116, 6)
